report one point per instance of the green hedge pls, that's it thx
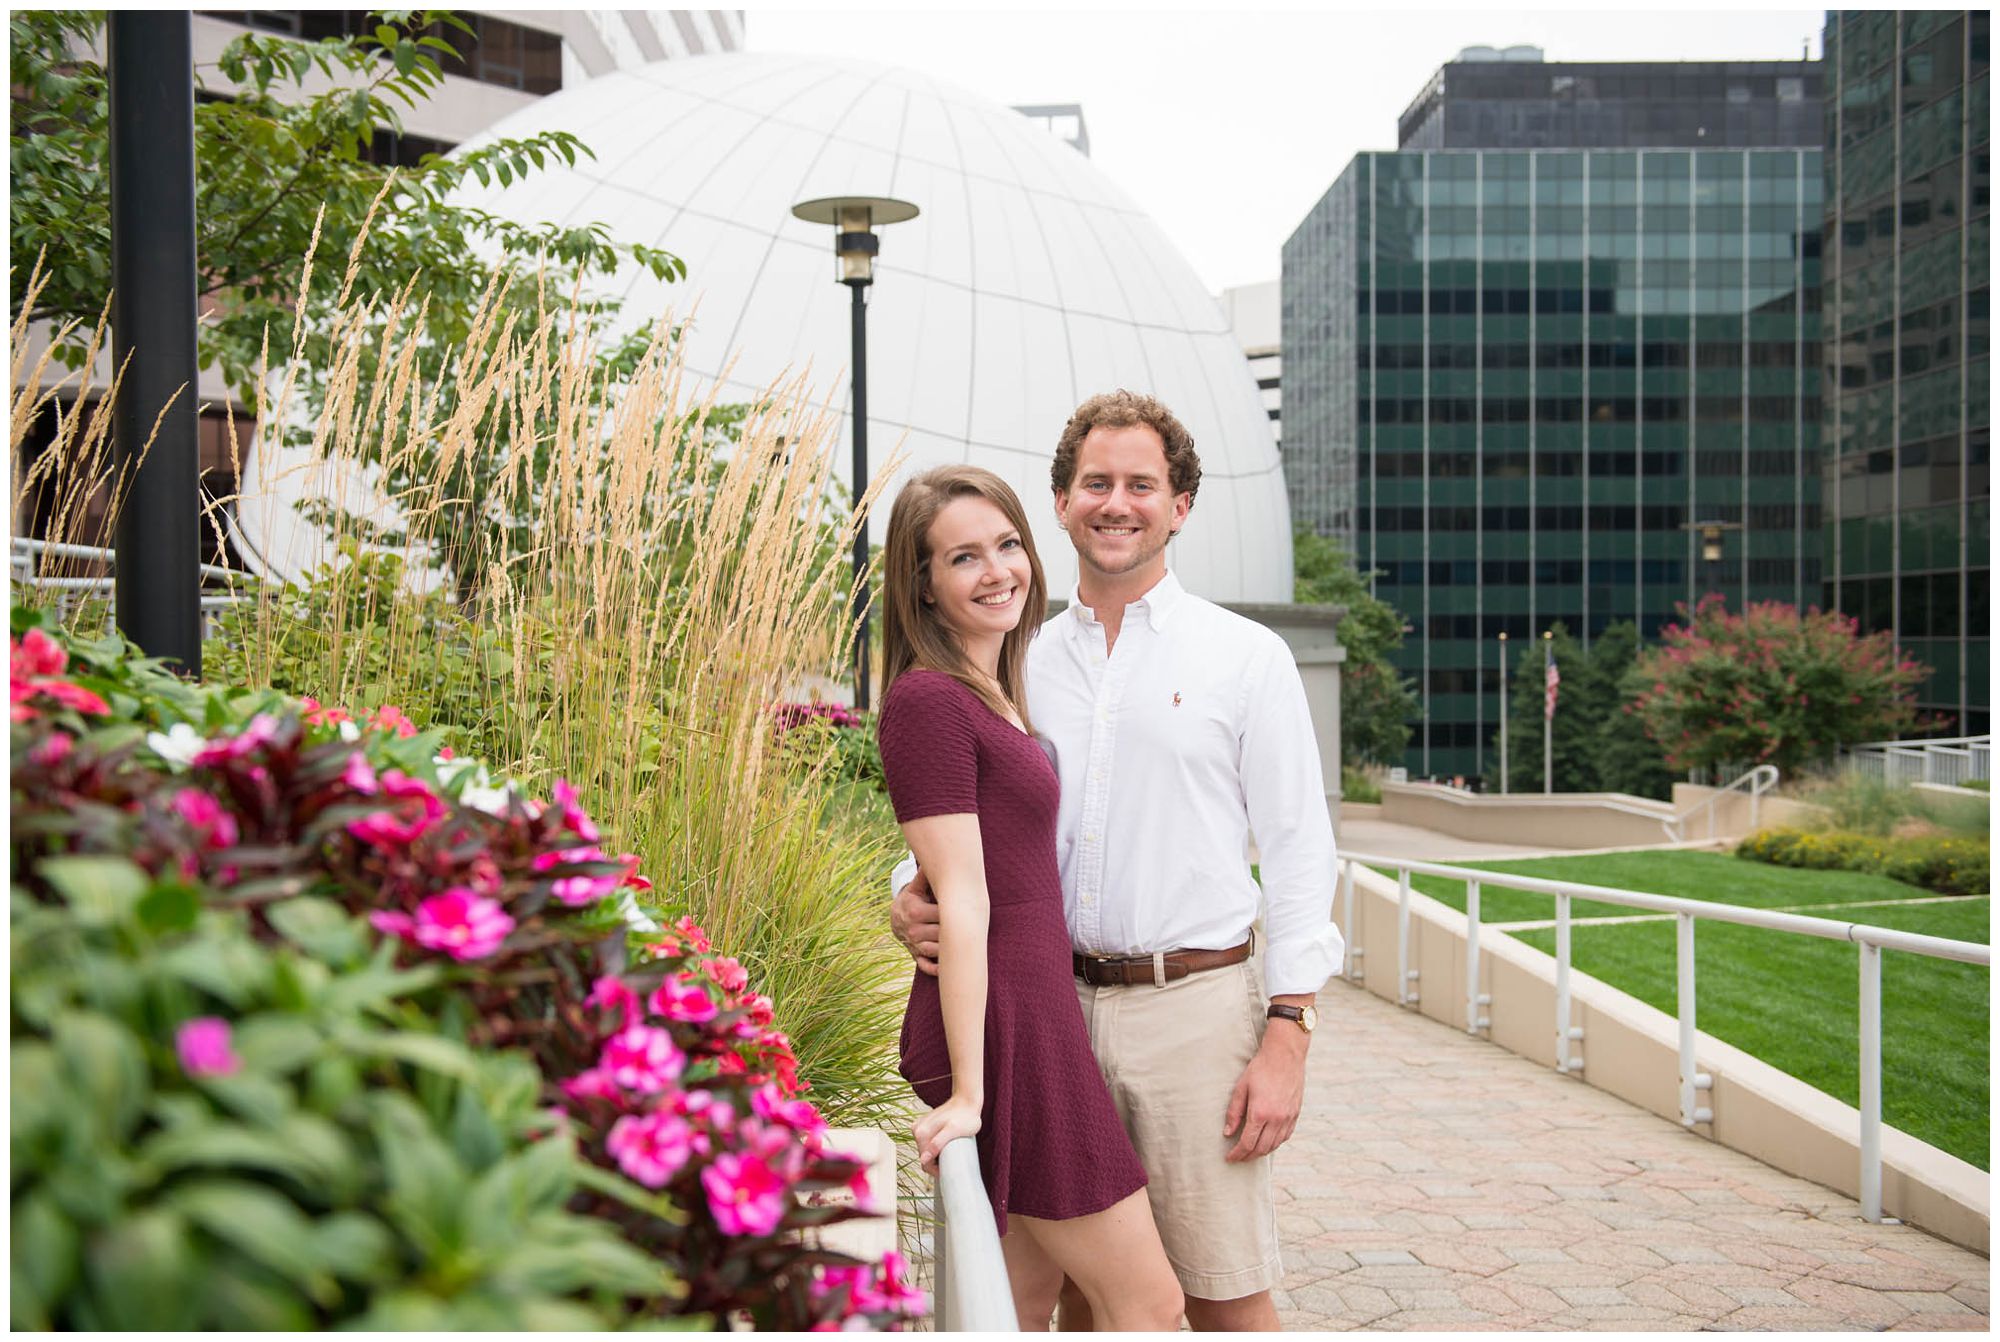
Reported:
(1948, 864)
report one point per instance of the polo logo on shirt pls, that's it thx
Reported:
(1177, 698)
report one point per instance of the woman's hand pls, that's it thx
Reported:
(956, 1117)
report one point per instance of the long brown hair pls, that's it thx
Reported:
(913, 633)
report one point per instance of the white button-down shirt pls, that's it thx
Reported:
(1187, 737)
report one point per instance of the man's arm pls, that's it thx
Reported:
(1264, 1106)
(1285, 795)
(913, 918)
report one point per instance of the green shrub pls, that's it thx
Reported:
(312, 1027)
(1948, 864)
(1864, 804)
(1359, 785)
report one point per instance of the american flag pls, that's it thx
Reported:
(1550, 680)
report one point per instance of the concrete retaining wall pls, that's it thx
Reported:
(1633, 1051)
(1561, 820)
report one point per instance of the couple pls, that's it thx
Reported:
(1093, 1009)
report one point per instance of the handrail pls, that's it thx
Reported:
(25, 547)
(1870, 940)
(969, 1276)
(1761, 779)
(1949, 760)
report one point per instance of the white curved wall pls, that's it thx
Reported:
(1028, 283)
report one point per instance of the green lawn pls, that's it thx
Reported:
(1790, 1000)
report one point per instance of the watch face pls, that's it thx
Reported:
(1310, 1019)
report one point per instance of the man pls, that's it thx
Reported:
(1179, 728)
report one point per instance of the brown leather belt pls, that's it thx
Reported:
(1104, 971)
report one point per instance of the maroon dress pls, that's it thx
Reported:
(1050, 1143)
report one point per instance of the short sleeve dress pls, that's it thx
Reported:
(1050, 1143)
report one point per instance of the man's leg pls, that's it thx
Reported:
(1246, 1314)
(1171, 1057)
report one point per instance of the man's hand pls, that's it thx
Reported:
(913, 917)
(1264, 1106)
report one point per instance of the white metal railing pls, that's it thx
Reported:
(969, 1275)
(1950, 760)
(1871, 940)
(27, 557)
(1757, 782)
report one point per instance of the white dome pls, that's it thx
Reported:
(1028, 282)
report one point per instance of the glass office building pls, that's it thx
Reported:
(1514, 379)
(1493, 100)
(1907, 546)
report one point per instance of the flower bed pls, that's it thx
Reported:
(314, 1026)
(1948, 864)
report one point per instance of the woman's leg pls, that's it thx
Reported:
(1034, 1276)
(1116, 1260)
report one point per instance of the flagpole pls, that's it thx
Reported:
(1503, 712)
(1548, 712)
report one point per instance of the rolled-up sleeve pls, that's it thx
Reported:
(1285, 795)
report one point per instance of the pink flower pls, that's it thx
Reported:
(611, 993)
(631, 875)
(36, 654)
(642, 1058)
(562, 857)
(204, 1048)
(458, 922)
(798, 1115)
(682, 998)
(390, 718)
(213, 827)
(359, 775)
(745, 1194)
(591, 1084)
(413, 809)
(651, 1148)
(71, 696)
(690, 929)
(576, 891)
(573, 816)
(727, 973)
(52, 750)
(222, 749)
(318, 715)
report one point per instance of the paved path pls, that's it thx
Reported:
(1437, 1181)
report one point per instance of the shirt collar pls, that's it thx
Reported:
(1158, 603)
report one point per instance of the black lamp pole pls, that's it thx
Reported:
(157, 584)
(854, 219)
(859, 307)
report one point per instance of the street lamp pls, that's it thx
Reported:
(1711, 549)
(854, 219)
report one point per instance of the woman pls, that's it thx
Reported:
(996, 1042)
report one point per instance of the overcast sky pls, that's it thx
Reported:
(1227, 127)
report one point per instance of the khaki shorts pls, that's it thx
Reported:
(1171, 1055)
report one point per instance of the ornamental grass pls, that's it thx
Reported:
(617, 596)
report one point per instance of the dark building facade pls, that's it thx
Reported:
(1515, 378)
(1513, 103)
(1908, 541)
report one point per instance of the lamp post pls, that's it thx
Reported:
(854, 219)
(1503, 712)
(157, 583)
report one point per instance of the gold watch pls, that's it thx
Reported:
(1305, 1017)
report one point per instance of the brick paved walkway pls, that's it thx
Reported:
(1439, 1182)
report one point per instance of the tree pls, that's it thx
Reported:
(1377, 704)
(1594, 746)
(1771, 686)
(282, 175)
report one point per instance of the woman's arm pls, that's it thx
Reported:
(948, 848)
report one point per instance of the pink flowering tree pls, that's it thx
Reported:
(1771, 686)
(413, 928)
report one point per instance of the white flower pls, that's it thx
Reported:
(350, 730)
(179, 744)
(628, 907)
(480, 796)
